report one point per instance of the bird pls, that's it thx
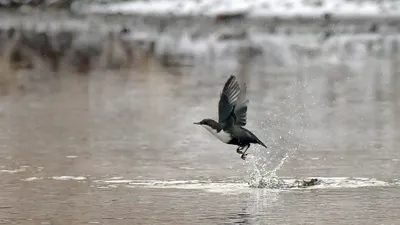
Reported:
(232, 117)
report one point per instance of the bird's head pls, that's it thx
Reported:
(203, 122)
(208, 123)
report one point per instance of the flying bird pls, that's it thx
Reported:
(232, 117)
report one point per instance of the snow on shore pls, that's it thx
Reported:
(257, 8)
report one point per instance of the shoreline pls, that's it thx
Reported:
(90, 41)
(385, 24)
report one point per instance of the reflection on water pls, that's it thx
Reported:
(331, 121)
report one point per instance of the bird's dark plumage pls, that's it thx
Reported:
(228, 99)
(232, 117)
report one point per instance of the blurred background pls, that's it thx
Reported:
(98, 100)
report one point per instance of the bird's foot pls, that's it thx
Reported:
(239, 151)
(244, 156)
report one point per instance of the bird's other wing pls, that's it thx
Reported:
(228, 99)
(240, 111)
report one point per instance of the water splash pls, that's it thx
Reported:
(263, 169)
(258, 178)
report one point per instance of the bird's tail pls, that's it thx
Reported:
(261, 143)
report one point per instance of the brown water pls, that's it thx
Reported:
(121, 148)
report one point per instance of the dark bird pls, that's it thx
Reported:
(232, 113)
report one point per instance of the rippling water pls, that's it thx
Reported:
(121, 148)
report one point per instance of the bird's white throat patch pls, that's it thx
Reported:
(222, 135)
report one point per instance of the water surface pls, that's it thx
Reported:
(121, 148)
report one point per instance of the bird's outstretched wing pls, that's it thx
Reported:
(228, 99)
(233, 103)
(240, 111)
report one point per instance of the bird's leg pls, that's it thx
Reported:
(244, 152)
(239, 149)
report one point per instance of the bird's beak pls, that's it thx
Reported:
(197, 123)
